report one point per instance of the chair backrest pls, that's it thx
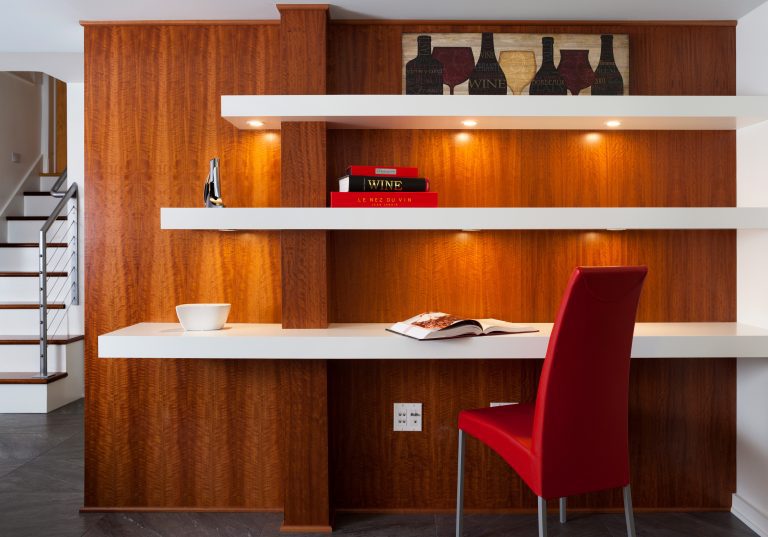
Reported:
(580, 428)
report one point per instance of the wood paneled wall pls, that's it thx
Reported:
(664, 58)
(204, 434)
(683, 453)
(177, 433)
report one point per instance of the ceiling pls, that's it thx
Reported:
(52, 25)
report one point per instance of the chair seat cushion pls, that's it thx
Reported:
(507, 430)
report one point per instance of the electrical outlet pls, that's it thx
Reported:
(15, 157)
(407, 417)
(504, 404)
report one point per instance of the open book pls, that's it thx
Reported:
(438, 325)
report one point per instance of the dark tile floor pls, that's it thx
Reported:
(41, 489)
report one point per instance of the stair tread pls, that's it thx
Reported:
(29, 378)
(36, 193)
(30, 218)
(34, 340)
(28, 306)
(31, 245)
(19, 274)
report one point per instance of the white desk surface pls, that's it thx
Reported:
(372, 341)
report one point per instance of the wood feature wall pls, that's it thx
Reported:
(304, 275)
(307, 437)
(176, 433)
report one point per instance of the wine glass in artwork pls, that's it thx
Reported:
(576, 70)
(458, 63)
(519, 67)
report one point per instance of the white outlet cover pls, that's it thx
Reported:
(407, 417)
(504, 404)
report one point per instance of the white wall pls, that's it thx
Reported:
(20, 109)
(750, 503)
(66, 66)
(75, 174)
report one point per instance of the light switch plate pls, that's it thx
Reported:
(15, 157)
(407, 417)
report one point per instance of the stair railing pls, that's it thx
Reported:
(64, 260)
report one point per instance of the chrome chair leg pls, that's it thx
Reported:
(563, 515)
(628, 512)
(460, 487)
(542, 517)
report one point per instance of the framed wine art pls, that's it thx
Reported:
(515, 64)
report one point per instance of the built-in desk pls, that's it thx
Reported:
(372, 341)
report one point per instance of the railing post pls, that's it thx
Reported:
(75, 269)
(43, 273)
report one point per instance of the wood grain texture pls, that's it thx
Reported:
(520, 276)
(304, 258)
(7, 377)
(61, 126)
(177, 433)
(303, 37)
(682, 445)
(305, 439)
(553, 168)
(665, 59)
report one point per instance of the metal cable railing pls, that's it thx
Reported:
(58, 289)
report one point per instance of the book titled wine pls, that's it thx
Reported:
(384, 199)
(383, 171)
(372, 183)
(439, 325)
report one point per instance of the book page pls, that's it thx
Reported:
(495, 325)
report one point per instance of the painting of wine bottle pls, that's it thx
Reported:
(487, 78)
(515, 64)
(424, 74)
(548, 80)
(608, 79)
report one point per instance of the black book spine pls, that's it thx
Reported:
(365, 183)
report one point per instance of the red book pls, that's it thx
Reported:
(384, 171)
(384, 199)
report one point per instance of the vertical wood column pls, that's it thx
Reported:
(304, 258)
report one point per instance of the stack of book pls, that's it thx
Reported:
(379, 186)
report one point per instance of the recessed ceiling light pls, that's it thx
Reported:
(255, 123)
(613, 123)
(469, 123)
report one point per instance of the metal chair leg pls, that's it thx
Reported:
(542, 517)
(563, 515)
(628, 512)
(460, 487)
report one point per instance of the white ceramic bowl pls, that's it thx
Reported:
(202, 316)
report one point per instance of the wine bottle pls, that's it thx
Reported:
(487, 78)
(548, 81)
(424, 74)
(608, 79)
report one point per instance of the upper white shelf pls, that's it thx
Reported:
(445, 218)
(372, 341)
(498, 112)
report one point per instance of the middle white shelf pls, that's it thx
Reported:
(464, 218)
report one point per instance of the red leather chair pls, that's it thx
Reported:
(574, 438)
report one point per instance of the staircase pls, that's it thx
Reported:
(22, 387)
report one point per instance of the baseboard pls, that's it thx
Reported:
(305, 529)
(88, 509)
(750, 515)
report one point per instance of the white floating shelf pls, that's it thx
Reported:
(371, 341)
(498, 112)
(466, 218)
